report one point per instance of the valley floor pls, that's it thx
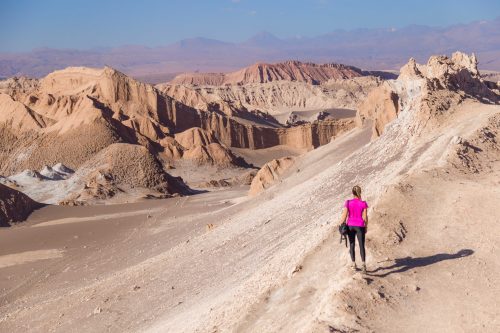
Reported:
(220, 262)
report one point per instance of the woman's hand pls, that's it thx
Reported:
(343, 216)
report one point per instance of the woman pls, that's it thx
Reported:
(355, 210)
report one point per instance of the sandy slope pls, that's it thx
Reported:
(238, 276)
(441, 277)
(273, 263)
(219, 260)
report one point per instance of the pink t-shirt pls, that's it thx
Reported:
(355, 212)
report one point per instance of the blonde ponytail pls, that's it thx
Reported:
(356, 190)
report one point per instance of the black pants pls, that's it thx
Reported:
(358, 232)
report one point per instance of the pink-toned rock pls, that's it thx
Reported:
(269, 174)
(262, 72)
(381, 106)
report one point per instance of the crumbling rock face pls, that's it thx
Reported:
(272, 97)
(134, 166)
(213, 153)
(458, 74)
(427, 91)
(262, 73)
(33, 150)
(14, 206)
(98, 186)
(311, 135)
(71, 115)
(19, 117)
(381, 106)
(195, 137)
(269, 174)
(202, 147)
(123, 167)
(18, 87)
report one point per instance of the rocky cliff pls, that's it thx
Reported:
(433, 88)
(273, 97)
(71, 115)
(261, 73)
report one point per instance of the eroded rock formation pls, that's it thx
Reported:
(262, 73)
(432, 88)
(14, 206)
(121, 167)
(72, 114)
(381, 106)
(269, 174)
(272, 97)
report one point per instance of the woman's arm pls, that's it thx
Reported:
(343, 216)
(365, 217)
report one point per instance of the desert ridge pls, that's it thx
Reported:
(73, 115)
(262, 73)
(259, 251)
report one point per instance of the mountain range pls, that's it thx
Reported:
(372, 49)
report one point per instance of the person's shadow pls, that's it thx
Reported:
(403, 264)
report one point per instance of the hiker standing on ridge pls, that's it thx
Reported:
(355, 211)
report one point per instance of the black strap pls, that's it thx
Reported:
(348, 213)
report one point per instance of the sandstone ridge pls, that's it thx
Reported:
(262, 73)
(72, 114)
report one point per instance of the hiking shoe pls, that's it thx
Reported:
(354, 267)
(363, 268)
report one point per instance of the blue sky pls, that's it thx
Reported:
(81, 24)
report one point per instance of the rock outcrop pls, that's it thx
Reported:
(272, 97)
(261, 73)
(71, 115)
(14, 206)
(381, 106)
(19, 117)
(123, 167)
(432, 89)
(202, 147)
(269, 174)
(135, 166)
(213, 153)
(195, 137)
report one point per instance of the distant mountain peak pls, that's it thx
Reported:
(263, 38)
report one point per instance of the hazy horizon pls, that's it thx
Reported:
(155, 37)
(85, 25)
